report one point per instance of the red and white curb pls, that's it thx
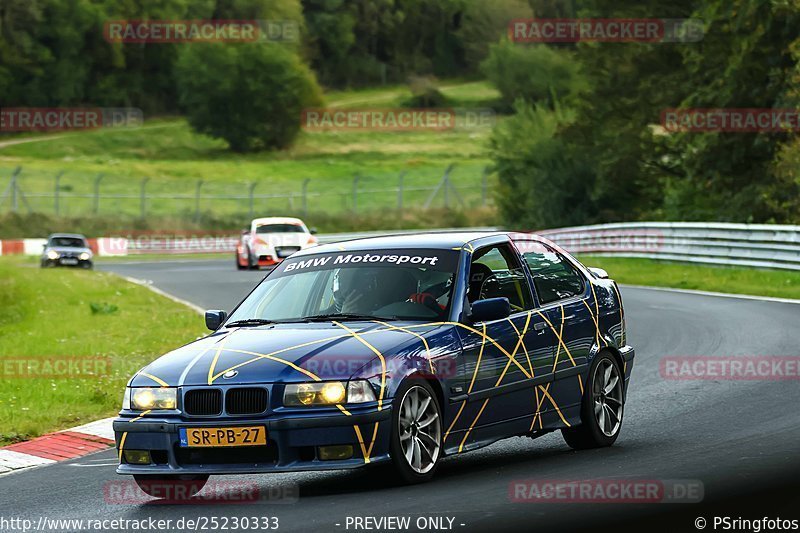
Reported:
(60, 446)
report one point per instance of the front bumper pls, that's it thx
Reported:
(292, 445)
(78, 263)
(628, 354)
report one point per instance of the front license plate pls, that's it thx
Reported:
(69, 261)
(222, 437)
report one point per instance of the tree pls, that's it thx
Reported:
(543, 182)
(744, 61)
(250, 94)
(534, 73)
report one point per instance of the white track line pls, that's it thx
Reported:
(101, 428)
(717, 294)
(15, 460)
(149, 285)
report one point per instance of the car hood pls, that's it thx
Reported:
(283, 353)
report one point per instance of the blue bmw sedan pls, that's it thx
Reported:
(397, 349)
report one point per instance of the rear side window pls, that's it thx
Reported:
(554, 278)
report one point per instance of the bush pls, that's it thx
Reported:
(543, 183)
(424, 93)
(535, 74)
(250, 94)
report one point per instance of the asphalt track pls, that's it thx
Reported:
(740, 439)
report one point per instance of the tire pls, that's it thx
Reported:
(416, 456)
(250, 265)
(602, 406)
(171, 487)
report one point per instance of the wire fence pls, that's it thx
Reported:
(63, 194)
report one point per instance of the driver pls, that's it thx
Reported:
(363, 290)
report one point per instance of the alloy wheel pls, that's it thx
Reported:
(607, 397)
(420, 429)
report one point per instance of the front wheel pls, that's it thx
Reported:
(171, 487)
(601, 408)
(416, 441)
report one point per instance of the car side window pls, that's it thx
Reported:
(554, 278)
(495, 272)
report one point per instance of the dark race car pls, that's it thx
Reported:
(400, 349)
(67, 249)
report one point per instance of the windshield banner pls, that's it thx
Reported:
(441, 260)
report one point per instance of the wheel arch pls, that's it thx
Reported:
(433, 381)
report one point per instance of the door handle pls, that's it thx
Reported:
(539, 326)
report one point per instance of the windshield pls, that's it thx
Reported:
(379, 284)
(68, 242)
(280, 228)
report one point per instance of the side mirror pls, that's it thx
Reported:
(215, 318)
(490, 309)
(312, 231)
(599, 272)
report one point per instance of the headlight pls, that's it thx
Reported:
(149, 399)
(327, 393)
(52, 254)
(126, 400)
(85, 256)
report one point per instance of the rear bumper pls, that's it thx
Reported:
(268, 260)
(292, 444)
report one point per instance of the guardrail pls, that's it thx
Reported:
(750, 245)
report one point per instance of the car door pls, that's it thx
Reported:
(567, 305)
(502, 356)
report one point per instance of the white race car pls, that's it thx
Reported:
(270, 240)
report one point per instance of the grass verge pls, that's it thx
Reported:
(93, 318)
(176, 159)
(653, 273)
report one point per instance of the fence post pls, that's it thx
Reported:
(305, 196)
(484, 185)
(250, 194)
(356, 179)
(400, 190)
(14, 204)
(143, 198)
(97, 193)
(197, 201)
(444, 182)
(57, 193)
